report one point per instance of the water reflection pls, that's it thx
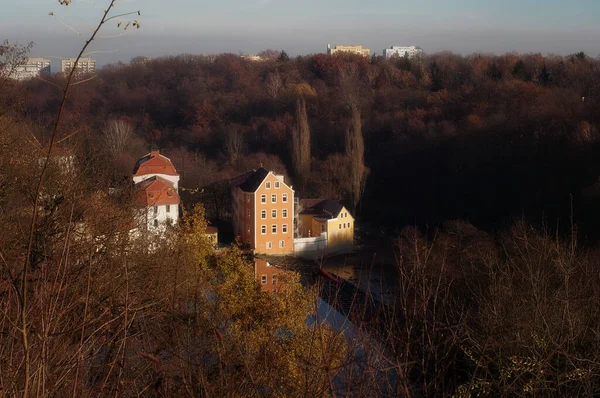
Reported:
(374, 276)
(268, 275)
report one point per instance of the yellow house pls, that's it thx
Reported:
(320, 216)
(213, 235)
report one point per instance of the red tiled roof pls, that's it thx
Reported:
(156, 191)
(154, 163)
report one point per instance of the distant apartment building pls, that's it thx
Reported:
(255, 58)
(29, 69)
(359, 50)
(402, 51)
(84, 65)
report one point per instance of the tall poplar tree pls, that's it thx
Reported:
(301, 141)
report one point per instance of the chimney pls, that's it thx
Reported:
(154, 150)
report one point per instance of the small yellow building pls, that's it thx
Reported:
(320, 216)
(213, 235)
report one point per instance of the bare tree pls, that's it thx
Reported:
(274, 84)
(11, 56)
(23, 288)
(355, 150)
(234, 144)
(349, 84)
(301, 141)
(372, 75)
(117, 134)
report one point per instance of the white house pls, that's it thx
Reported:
(156, 191)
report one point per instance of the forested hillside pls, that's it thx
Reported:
(480, 137)
(88, 308)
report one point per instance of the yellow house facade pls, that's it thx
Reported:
(212, 233)
(320, 216)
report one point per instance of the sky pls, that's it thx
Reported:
(171, 27)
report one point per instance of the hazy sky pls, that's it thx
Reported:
(197, 26)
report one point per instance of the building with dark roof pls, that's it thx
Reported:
(263, 211)
(268, 220)
(329, 220)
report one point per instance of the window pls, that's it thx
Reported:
(284, 198)
(274, 279)
(274, 228)
(248, 228)
(263, 198)
(247, 198)
(274, 198)
(284, 213)
(269, 245)
(344, 226)
(263, 229)
(263, 279)
(168, 208)
(155, 210)
(340, 226)
(274, 213)
(268, 185)
(281, 243)
(276, 184)
(156, 223)
(248, 213)
(284, 229)
(263, 214)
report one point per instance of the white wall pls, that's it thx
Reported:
(161, 216)
(173, 179)
(311, 248)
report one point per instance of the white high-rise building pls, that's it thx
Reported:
(29, 69)
(84, 65)
(402, 51)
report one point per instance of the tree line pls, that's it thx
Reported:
(483, 137)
